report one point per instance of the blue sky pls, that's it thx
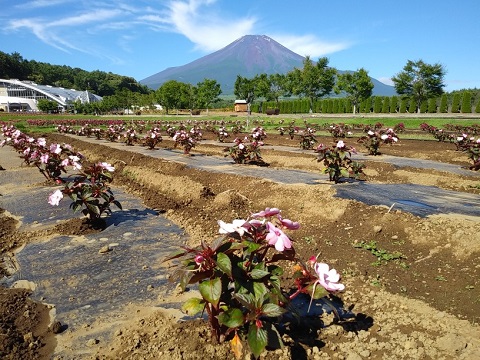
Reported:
(140, 38)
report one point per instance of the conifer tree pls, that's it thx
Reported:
(403, 106)
(377, 105)
(393, 104)
(466, 102)
(386, 105)
(444, 104)
(432, 105)
(455, 103)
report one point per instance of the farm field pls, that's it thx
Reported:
(420, 304)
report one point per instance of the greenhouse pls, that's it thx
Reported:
(23, 96)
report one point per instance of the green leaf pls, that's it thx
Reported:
(247, 300)
(94, 209)
(258, 273)
(224, 264)
(257, 339)
(260, 290)
(211, 290)
(231, 318)
(193, 306)
(272, 310)
(319, 291)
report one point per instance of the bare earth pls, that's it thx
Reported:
(423, 306)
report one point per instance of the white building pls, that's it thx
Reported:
(16, 95)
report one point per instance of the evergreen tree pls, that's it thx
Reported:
(403, 106)
(377, 105)
(324, 106)
(335, 106)
(412, 106)
(386, 105)
(477, 108)
(443, 104)
(424, 107)
(368, 105)
(432, 105)
(455, 103)
(393, 104)
(466, 102)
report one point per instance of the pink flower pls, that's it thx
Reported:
(289, 224)
(199, 259)
(54, 198)
(237, 225)
(41, 142)
(65, 162)
(55, 148)
(106, 166)
(267, 212)
(44, 158)
(340, 144)
(328, 278)
(278, 238)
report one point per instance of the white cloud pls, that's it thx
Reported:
(309, 45)
(208, 31)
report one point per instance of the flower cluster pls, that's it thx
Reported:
(88, 190)
(245, 151)
(187, 139)
(258, 134)
(130, 137)
(470, 146)
(338, 161)
(222, 134)
(307, 138)
(374, 139)
(239, 279)
(152, 138)
(51, 159)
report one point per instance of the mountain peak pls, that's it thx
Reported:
(247, 56)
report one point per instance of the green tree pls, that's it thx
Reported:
(357, 85)
(208, 92)
(173, 95)
(368, 105)
(313, 81)
(455, 103)
(386, 105)
(272, 87)
(245, 89)
(477, 107)
(466, 102)
(420, 81)
(377, 105)
(443, 104)
(432, 105)
(47, 105)
(393, 104)
(403, 106)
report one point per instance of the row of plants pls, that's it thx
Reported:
(459, 103)
(88, 188)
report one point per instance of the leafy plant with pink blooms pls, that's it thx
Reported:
(338, 161)
(372, 140)
(470, 146)
(152, 138)
(89, 191)
(307, 138)
(246, 151)
(187, 139)
(239, 279)
(51, 160)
